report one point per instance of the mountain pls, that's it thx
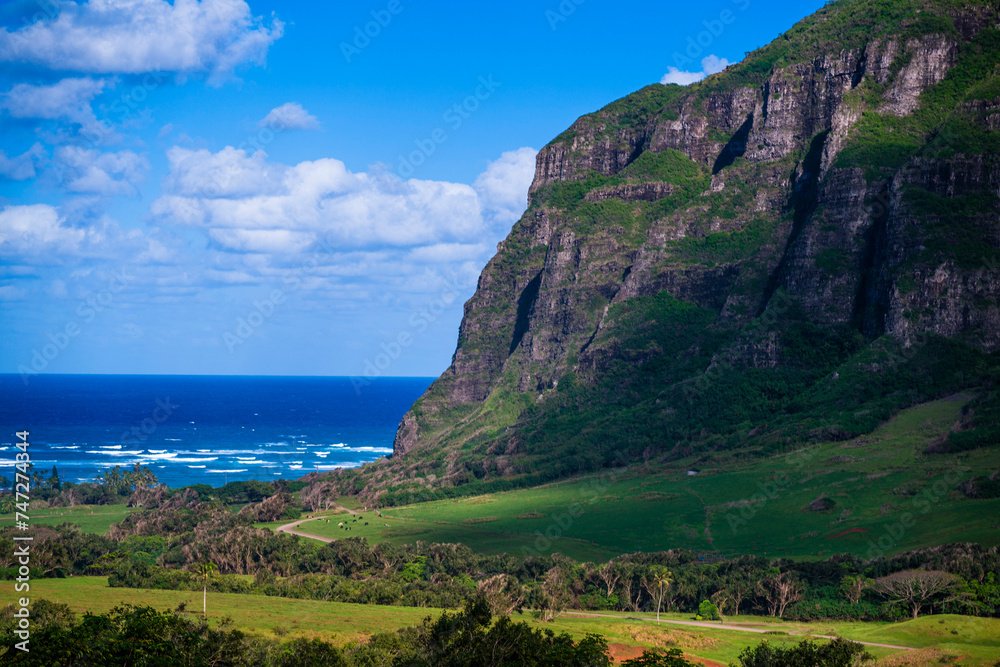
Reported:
(788, 252)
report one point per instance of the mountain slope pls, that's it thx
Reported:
(790, 251)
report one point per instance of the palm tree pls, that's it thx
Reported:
(205, 570)
(662, 579)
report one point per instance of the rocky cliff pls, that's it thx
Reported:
(790, 250)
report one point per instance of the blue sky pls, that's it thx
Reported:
(295, 188)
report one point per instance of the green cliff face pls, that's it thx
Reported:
(789, 251)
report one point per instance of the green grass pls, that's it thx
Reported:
(976, 638)
(90, 518)
(662, 507)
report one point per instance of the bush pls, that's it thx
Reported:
(708, 610)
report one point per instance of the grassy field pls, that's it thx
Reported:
(869, 485)
(90, 518)
(960, 640)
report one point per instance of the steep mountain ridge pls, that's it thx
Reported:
(791, 250)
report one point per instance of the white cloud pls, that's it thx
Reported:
(709, 65)
(90, 171)
(503, 187)
(289, 116)
(44, 234)
(236, 197)
(137, 36)
(35, 228)
(21, 167)
(67, 100)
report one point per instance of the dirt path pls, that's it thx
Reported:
(288, 527)
(739, 628)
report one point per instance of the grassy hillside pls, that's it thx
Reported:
(94, 519)
(866, 487)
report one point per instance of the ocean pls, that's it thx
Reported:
(201, 429)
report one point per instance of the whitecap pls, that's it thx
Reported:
(241, 470)
(196, 466)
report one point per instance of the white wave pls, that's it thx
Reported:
(205, 459)
(174, 439)
(157, 451)
(241, 470)
(295, 467)
(339, 466)
(157, 456)
(322, 455)
(109, 447)
(251, 458)
(65, 447)
(384, 450)
(196, 466)
(127, 452)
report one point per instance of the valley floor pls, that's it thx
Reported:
(945, 639)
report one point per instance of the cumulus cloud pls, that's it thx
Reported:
(21, 167)
(289, 116)
(67, 100)
(503, 187)
(709, 65)
(136, 36)
(247, 203)
(35, 228)
(44, 234)
(88, 171)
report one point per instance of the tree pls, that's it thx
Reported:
(779, 590)
(205, 570)
(854, 587)
(708, 611)
(54, 481)
(656, 582)
(609, 574)
(672, 657)
(917, 588)
(838, 653)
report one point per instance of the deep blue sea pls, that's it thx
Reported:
(201, 429)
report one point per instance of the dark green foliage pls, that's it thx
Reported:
(838, 653)
(471, 637)
(952, 229)
(672, 657)
(708, 610)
